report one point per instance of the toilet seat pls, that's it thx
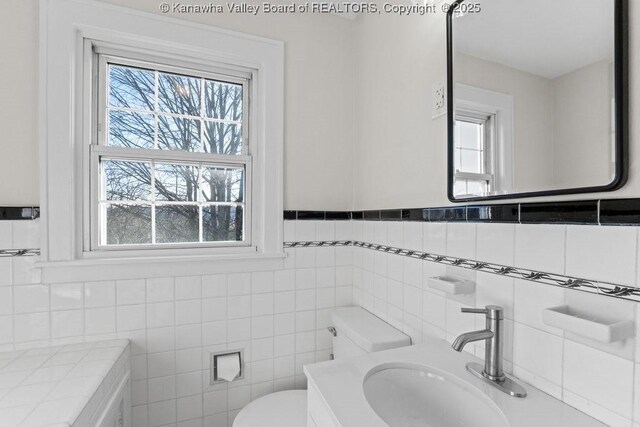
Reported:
(281, 409)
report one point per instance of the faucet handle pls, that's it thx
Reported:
(474, 310)
(491, 311)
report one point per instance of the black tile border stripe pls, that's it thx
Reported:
(558, 280)
(19, 213)
(585, 212)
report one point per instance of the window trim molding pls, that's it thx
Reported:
(66, 120)
(501, 106)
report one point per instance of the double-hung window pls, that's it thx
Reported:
(474, 141)
(171, 162)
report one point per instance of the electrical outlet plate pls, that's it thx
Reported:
(439, 100)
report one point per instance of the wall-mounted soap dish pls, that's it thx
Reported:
(452, 285)
(587, 325)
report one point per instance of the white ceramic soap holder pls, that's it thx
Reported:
(452, 285)
(588, 325)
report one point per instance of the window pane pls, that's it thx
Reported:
(176, 182)
(131, 88)
(222, 223)
(175, 133)
(223, 100)
(460, 187)
(477, 187)
(222, 138)
(471, 161)
(176, 224)
(134, 130)
(126, 180)
(128, 225)
(222, 185)
(179, 94)
(470, 135)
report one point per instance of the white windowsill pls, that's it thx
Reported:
(82, 270)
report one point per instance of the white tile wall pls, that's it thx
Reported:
(278, 317)
(595, 378)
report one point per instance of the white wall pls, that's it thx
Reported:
(318, 101)
(400, 151)
(582, 109)
(533, 137)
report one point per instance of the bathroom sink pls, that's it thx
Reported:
(408, 395)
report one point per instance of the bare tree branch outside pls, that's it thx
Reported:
(153, 110)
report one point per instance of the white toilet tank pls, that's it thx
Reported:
(359, 332)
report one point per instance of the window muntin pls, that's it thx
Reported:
(172, 161)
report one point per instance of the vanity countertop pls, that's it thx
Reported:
(340, 386)
(57, 386)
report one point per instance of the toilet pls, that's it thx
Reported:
(357, 332)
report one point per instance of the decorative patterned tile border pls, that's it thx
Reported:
(595, 287)
(19, 252)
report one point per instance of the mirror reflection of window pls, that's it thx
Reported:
(471, 156)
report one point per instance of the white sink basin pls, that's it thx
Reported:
(408, 395)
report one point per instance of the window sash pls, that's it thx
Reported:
(99, 150)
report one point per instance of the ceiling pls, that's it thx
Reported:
(548, 38)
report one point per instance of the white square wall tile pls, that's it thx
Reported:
(434, 237)
(99, 294)
(31, 298)
(610, 386)
(160, 314)
(530, 299)
(412, 235)
(262, 282)
(26, 234)
(602, 253)
(461, 240)
(305, 231)
(492, 289)
(284, 280)
(538, 352)
(239, 284)
(6, 300)
(325, 231)
(5, 235)
(541, 247)
(132, 291)
(189, 311)
(31, 327)
(214, 285)
(188, 287)
(131, 317)
(100, 320)
(496, 243)
(160, 289)
(67, 296)
(67, 323)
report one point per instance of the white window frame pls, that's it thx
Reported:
(500, 137)
(102, 57)
(68, 31)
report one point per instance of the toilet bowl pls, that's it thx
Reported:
(357, 332)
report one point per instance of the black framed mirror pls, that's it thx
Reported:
(537, 97)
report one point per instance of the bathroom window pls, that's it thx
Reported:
(483, 147)
(172, 160)
(472, 152)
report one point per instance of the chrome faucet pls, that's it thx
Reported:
(492, 371)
